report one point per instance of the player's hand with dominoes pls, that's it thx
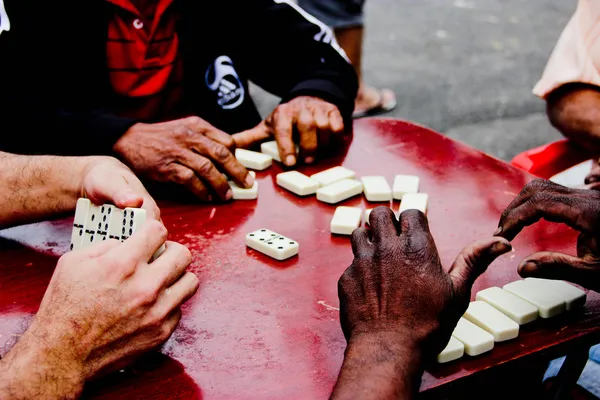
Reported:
(107, 180)
(398, 306)
(105, 306)
(189, 152)
(313, 119)
(577, 208)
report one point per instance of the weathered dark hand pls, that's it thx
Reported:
(577, 208)
(397, 284)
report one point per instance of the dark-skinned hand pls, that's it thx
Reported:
(577, 208)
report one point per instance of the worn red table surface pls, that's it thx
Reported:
(259, 328)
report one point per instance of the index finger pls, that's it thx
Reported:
(383, 224)
(142, 245)
(282, 127)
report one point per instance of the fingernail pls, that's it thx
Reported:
(290, 160)
(501, 247)
(249, 180)
(527, 267)
(229, 195)
(309, 160)
(498, 231)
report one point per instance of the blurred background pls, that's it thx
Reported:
(465, 68)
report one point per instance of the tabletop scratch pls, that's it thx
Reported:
(327, 306)
(212, 213)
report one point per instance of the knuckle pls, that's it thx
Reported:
(204, 167)
(147, 294)
(194, 120)
(221, 153)
(185, 175)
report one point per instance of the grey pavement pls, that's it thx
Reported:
(465, 67)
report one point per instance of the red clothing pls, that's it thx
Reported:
(143, 60)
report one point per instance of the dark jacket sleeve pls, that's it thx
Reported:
(49, 95)
(290, 53)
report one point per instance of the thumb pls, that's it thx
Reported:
(114, 189)
(559, 266)
(474, 261)
(247, 138)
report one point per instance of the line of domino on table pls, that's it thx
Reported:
(330, 186)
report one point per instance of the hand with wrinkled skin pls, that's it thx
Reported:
(189, 152)
(398, 306)
(577, 208)
(104, 306)
(312, 118)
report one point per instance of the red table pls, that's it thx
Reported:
(259, 328)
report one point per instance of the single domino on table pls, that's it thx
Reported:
(574, 298)
(476, 340)
(272, 244)
(79, 222)
(491, 320)
(339, 191)
(404, 184)
(414, 201)
(547, 301)
(253, 159)
(345, 220)
(297, 183)
(272, 149)
(376, 188)
(453, 351)
(517, 309)
(333, 175)
(242, 193)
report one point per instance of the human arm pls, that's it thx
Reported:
(298, 60)
(398, 306)
(577, 208)
(37, 187)
(104, 306)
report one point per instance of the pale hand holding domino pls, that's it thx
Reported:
(272, 244)
(491, 320)
(345, 220)
(476, 340)
(517, 309)
(271, 149)
(414, 201)
(404, 184)
(333, 175)
(339, 191)
(242, 193)
(297, 183)
(253, 159)
(453, 351)
(376, 188)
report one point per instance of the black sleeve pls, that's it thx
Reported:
(290, 53)
(39, 112)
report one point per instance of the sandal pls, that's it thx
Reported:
(387, 102)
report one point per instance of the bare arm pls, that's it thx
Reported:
(574, 110)
(37, 187)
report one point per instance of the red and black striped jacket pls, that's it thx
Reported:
(56, 96)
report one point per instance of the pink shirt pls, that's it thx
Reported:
(576, 57)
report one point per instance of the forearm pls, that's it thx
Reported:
(35, 187)
(378, 368)
(575, 111)
(31, 370)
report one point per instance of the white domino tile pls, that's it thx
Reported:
(345, 220)
(271, 149)
(491, 320)
(517, 309)
(272, 244)
(414, 201)
(133, 219)
(103, 225)
(339, 191)
(476, 340)
(376, 188)
(253, 159)
(574, 298)
(545, 299)
(404, 184)
(243, 193)
(79, 222)
(297, 183)
(333, 175)
(453, 351)
(89, 234)
(116, 226)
